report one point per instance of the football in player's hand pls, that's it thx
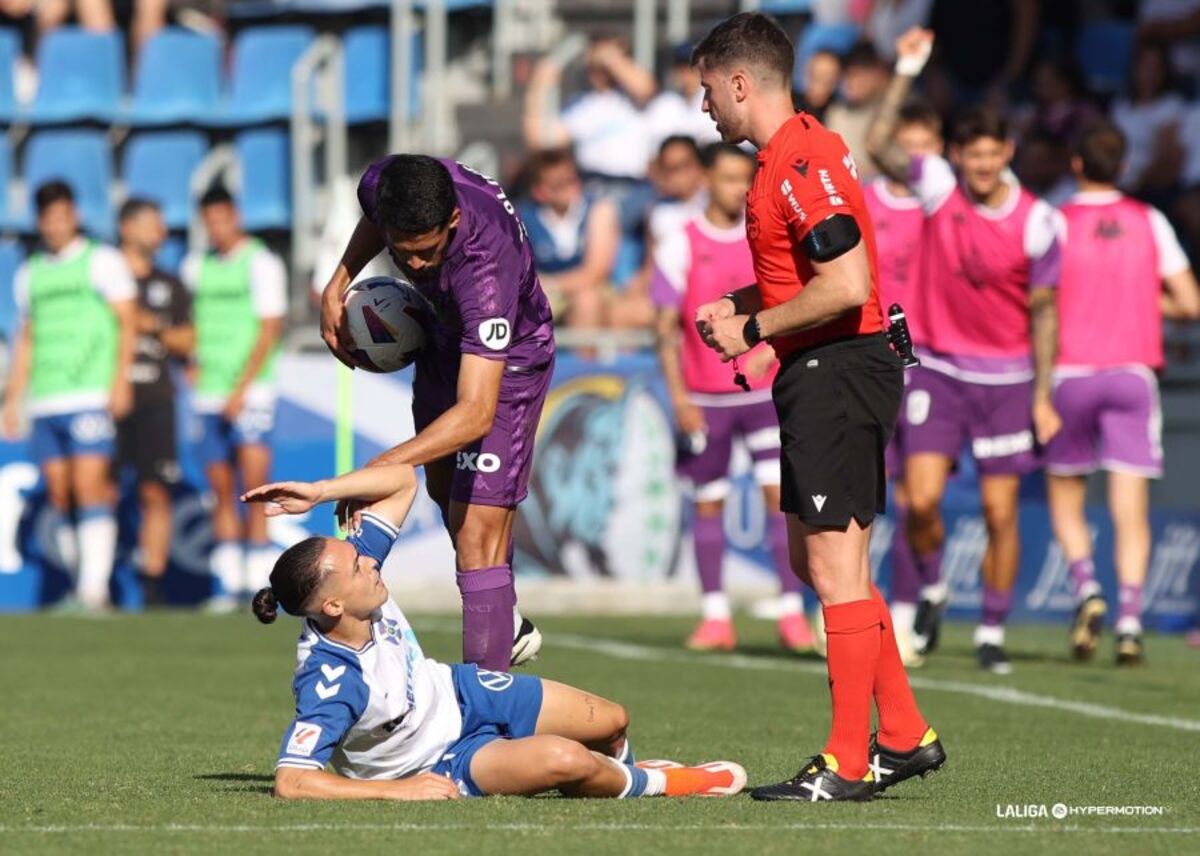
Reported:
(388, 320)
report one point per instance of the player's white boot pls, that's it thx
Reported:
(527, 640)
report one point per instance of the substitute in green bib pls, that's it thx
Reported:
(76, 300)
(239, 296)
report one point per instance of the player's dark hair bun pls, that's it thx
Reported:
(264, 605)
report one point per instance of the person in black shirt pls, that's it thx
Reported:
(146, 437)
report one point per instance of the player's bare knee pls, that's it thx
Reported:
(568, 761)
(999, 516)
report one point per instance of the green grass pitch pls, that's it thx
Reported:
(158, 734)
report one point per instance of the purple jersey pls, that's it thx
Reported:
(487, 296)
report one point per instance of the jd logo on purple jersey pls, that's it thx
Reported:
(495, 333)
(475, 462)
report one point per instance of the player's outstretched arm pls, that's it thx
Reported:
(912, 52)
(18, 380)
(292, 783)
(389, 491)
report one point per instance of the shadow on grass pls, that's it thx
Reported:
(235, 777)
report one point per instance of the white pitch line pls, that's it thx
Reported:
(591, 827)
(1007, 695)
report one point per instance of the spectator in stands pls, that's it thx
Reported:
(1061, 106)
(239, 295)
(1187, 207)
(1150, 116)
(678, 110)
(72, 357)
(95, 15)
(679, 182)
(890, 19)
(864, 78)
(983, 47)
(604, 124)
(146, 436)
(1176, 22)
(574, 236)
(822, 74)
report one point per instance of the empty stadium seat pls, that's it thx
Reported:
(177, 78)
(10, 49)
(81, 75)
(11, 256)
(5, 180)
(260, 88)
(83, 159)
(158, 166)
(785, 7)
(265, 199)
(1104, 50)
(369, 75)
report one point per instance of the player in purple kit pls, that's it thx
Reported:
(899, 238)
(1118, 254)
(480, 382)
(990, 327)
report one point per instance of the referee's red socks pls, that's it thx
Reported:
(853, 641)
(901, 725)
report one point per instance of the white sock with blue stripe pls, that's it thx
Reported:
(641, 783)
(625, 756)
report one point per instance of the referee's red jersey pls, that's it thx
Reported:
(805, 175)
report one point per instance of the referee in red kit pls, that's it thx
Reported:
(837, 395)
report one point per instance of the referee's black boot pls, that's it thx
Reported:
(890, 766)
(817, 781)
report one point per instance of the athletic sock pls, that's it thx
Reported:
(642, 783)
(791, 603)
(260, 561)
(152, 590)
(929, 567)
(1083, 578)
(853, 633)
(777, 534)
(226, 565)
(986, 634)
(708, 538)
(715, 606)
(1129, 608)
(625, 756)
(996, 606)
(901, 725)
(487, 615)
(904, 616)
(97, 548)
(66, 541)
(906, 576)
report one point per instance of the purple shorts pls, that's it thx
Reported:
(496, 469)
(756, 425)
(1111, 421)
(941, 413)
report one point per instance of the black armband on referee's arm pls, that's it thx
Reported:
(831, 238)
(732, 297)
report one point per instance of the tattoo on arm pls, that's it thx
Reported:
(880, 144)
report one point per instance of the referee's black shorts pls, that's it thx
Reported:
(837, 404)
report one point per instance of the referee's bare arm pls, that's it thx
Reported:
(912, 52)
(838, 286)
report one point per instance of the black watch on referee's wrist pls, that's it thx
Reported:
(751, 331)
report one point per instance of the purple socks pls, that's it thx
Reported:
(996, 606)
(906, 573)
(789, 583)
(1129, 605)
(708, 535)
(1083, 578)
(488, 597)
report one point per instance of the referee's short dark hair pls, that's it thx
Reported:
(977, 123)
(751, 38)
(135, 205)
(55, 190)
(1101, 151)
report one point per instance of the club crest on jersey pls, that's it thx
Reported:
(497, 682)
(389, 628)
(304, 739)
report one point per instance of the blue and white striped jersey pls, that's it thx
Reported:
(383, 711)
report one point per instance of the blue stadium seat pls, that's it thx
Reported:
(785, 7)
(81, 158)
(10, 49)
(260, 87)
(81, 75)
(170, 255)
(5, 179)
(838, 38)
(266, 9)
(1104, 50)
(158, 166)
(369, 77)
(11, 256)
(177, 78)
(266, 198)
